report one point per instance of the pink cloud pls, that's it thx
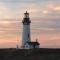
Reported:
(50, 5)
(52, 41)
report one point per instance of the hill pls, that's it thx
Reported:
(31, 54)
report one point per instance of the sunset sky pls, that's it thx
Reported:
(45, 22)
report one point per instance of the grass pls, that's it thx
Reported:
(31, 54)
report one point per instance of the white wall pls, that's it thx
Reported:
(26, 31)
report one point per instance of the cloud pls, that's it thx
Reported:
(4, 11)
(45, 12)
(44, 17)
(50, 40)
(51, 5)
(17, 0)
(57, 9)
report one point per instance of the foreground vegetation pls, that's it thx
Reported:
(31, 54)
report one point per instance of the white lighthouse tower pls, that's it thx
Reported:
(26, 29)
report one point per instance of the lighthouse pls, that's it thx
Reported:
(26, 38)
(26, 29)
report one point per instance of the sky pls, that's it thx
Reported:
(45, 22)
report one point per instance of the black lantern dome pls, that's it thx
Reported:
(26, 19)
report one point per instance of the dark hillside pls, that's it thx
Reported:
(31, 54)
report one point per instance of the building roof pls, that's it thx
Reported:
(33, 43)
